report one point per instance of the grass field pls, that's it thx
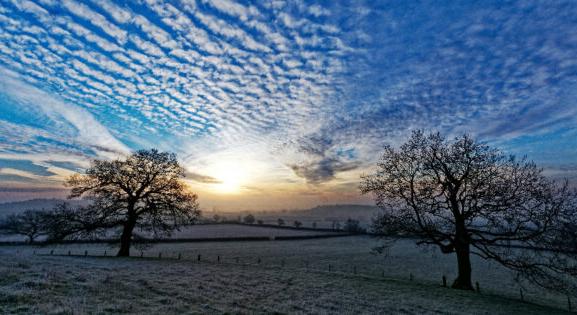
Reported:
(292, 276)
(214, 231)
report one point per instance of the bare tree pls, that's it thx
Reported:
(144, 190)
(467, 198)
(280, 222)
(248, 219)
(353, 226)
(30, 223)
(297, 223)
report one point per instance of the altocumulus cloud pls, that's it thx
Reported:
(318, 87)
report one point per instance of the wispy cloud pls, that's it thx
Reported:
(202, 178)
(89, 131)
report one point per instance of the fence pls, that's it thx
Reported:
(280, 263)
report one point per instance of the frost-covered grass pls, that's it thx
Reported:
(291, 274)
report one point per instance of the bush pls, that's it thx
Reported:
(249, 219)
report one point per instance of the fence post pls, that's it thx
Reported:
(329, 268)
(51, 252)
(258, 261)
(141, 254)
(521, 292)
(444, 281)
(160, 255)
(477, 286)
(68, 253)
(198, 258)
(104, 253)
(179, 256)
(411, 276)
(85, 253)
(34, 252)
(355, 269)
(218, 258)
(568, 302)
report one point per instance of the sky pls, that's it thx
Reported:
(278, 104)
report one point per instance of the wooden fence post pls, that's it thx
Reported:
(51, 252)
(179, 256)
(258, 261)
(160, 255)
(85, 253)
(444, 281)
(68, 253)
(198, 258)
(141, 254)
(411, 277)
(569, 303)
(218, 258)
(477, 286)
(329, 268)
(521, 293)
(104, 253)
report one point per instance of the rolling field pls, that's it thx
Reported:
(239, 230)
(215, 231)
(261, 277)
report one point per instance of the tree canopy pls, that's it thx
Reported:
(144, 190)
(468, 198)
(30, 223)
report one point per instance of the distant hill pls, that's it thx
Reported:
(35, 204)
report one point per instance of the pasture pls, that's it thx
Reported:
(213, 232)
(308, 276)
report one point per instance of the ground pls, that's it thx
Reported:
(78, 285)
(292, 277)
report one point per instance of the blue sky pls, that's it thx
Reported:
(278, 104)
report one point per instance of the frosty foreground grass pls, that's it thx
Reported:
(343, 255)
(78, 285)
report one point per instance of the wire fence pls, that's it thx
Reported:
(281, 263)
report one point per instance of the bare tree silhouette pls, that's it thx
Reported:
(467, 198)
(248, 219)
(144, 190)
(30, 223)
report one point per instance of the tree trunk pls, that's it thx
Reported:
(463, 280)
(126, 239)
(462, 248)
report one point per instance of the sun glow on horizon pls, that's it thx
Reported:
(231, 176)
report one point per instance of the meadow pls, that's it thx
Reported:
(297, 276)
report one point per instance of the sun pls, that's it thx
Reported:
(231, 177)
